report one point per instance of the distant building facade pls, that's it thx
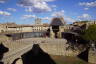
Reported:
(12, 27)
(38, 21)
(53, 30)
(81, 23)
(5, 27)
(40, 28)
(91, 22)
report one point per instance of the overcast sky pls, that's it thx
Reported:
(25, 11)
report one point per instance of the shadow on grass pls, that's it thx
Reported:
(84, 55)
(37, 56)
(3, 50)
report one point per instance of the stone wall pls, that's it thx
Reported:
(58, 49)
(49, 45)
(92, 56)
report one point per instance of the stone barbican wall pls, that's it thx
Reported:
(50, 46)
(92, 56)
(58, 49)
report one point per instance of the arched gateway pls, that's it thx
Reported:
(55, 27)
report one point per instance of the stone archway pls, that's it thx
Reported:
(55, 30)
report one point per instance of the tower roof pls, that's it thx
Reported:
(57, 22)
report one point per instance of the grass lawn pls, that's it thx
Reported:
(68, 60)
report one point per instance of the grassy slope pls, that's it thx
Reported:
(68, 60)
(3, 38)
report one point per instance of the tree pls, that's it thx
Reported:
(83, 41)
(90, 34)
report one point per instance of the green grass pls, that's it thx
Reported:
(3, 38)
(68, 60)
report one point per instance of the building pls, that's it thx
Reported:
(53, 30)
(2, 28)
(12, 27)
(82, 23)
(57, 26)
(5, 27)
(91, 22)
(38, 21)
(21, 31)
(40, 28)
(79, 23)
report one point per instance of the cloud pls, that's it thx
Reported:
(69, 19)
(36, 5)
(5, 13)
(88, 4)
(61, 14)
(86, 8)
(58, 13)
(11, 9)
(28, 16)
(3, 1)
(49, 0)
(46, 18)
(54, 6)
(28, 9)
(84, 17)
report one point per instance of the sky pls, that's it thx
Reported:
(26, 11)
